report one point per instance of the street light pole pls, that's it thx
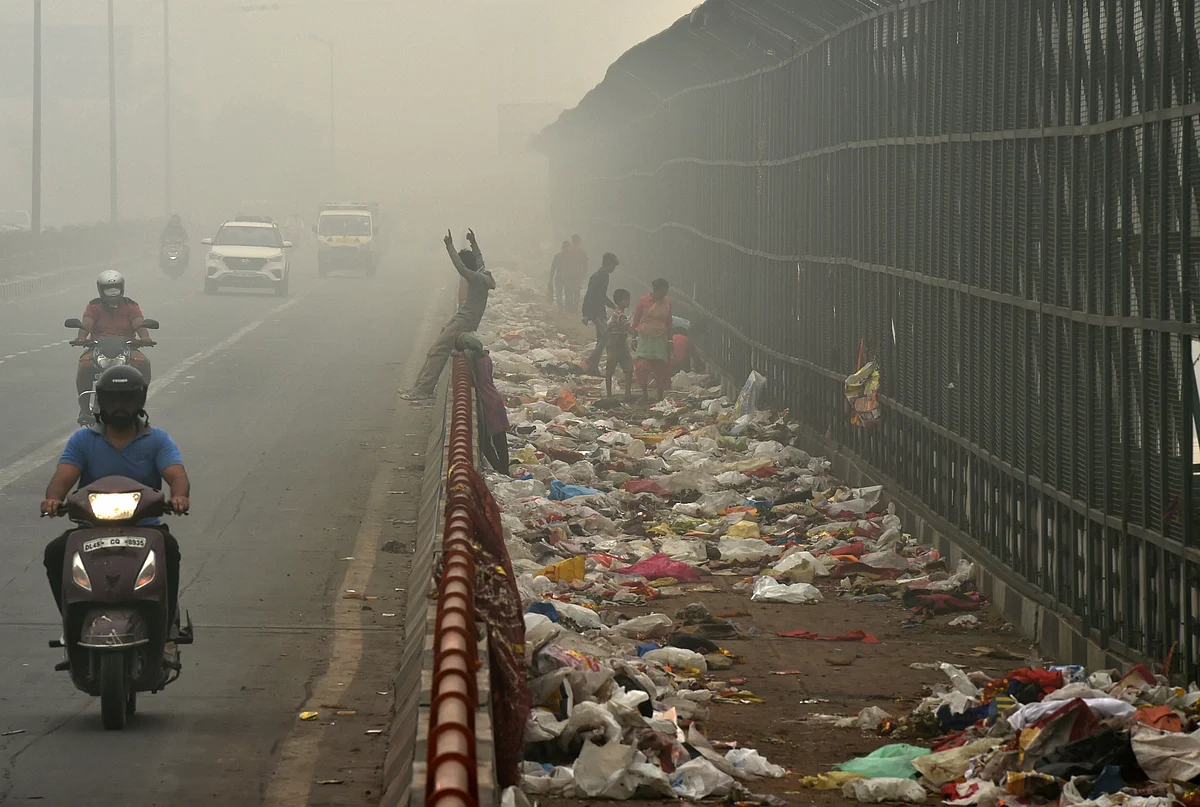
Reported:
(166, 109)
(332, 112)
(112, 118)
(35, 202)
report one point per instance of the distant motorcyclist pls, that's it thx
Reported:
(108, 449)
(110, 314)
(174, 232)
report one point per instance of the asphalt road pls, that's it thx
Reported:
(286, 413)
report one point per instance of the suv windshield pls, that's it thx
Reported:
(232, 235)
(345, 225)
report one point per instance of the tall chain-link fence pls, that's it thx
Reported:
(998, 201)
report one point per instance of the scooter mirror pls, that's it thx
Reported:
(72, 323)
(288, 245)
(150, 324)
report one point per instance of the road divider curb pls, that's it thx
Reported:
(22, 286)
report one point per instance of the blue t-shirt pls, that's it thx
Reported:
(145, 458)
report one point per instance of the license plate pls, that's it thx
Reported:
(115, 542)
(244, 273)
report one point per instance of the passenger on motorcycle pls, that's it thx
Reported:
(122, 443)
(110, 314)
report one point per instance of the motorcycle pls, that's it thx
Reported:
(115, 638)
(108, 351)
(173, 258)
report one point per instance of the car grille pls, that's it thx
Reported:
(246, 264)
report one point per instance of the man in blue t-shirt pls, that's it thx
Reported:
(121, 443)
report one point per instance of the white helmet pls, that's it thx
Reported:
(111, 286)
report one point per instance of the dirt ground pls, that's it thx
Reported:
(800, 678)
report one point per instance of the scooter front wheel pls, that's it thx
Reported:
(114, 690)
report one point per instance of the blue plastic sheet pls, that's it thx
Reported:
(560, 492)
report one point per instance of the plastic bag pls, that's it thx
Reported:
(950, 765)
(794, 568)
(617, 771)
(889, 762)
(749, 398)
(733, 479)
(767, 589)
(560, 492)
(678, 657)
(685, 549)
(875, 791)
(745, 550)
(583, 617)
(745, 529)
(868, 719)
(648, 625)
(513, 797)
(698, 778)
(1167, 755)
(559, 781)
(751, 763)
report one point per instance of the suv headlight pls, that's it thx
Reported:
(275, 258)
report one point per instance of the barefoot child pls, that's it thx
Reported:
(618, 345)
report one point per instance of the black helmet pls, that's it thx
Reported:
(120, 384)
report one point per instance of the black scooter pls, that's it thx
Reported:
(173, 258)
(115, 598)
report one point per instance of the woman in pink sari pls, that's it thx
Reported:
(652, 324)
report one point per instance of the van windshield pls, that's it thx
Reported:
(345, 225)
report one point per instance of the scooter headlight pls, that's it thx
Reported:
(104, 362)
(79, 573)
(146, 575)
(113, 506)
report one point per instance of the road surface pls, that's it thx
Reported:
(303, 463)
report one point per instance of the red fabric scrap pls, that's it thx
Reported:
(646, 486)
(1048, 680)
(660, 565)
(857, 549)
(852, 636)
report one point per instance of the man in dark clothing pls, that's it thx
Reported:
(558, 268)
(595, 305)
(470, 266)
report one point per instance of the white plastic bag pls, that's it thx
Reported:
(649, 625)
(875, 791)
(751, 763)
(767, 589)
(745, 550)
(698, 778)
(617, 771)
(677, 657)
(558, 782)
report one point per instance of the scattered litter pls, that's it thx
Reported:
(331, 781)
(309, 715)
(12, 733)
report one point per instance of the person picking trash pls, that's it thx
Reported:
(617, 345)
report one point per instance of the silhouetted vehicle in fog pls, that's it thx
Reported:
(247, 254)
(348, 237)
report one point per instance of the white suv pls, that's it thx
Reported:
(247, 254)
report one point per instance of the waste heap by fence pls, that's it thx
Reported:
(994, 201)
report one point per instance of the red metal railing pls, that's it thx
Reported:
(451, 773)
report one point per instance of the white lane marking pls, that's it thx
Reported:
(51, 450)
(291, 781)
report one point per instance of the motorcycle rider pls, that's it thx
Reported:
(174, 231)
(122, 443)
(110, 314)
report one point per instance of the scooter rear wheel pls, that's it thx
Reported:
(114, 698)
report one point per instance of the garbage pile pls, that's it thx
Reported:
(608, 508)
(1040, 735)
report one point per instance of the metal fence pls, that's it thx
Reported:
(1000, 199)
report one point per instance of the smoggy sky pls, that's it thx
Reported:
(417, 84)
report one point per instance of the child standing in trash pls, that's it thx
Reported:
(652, 322)
(493, 415)
(618, 344)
